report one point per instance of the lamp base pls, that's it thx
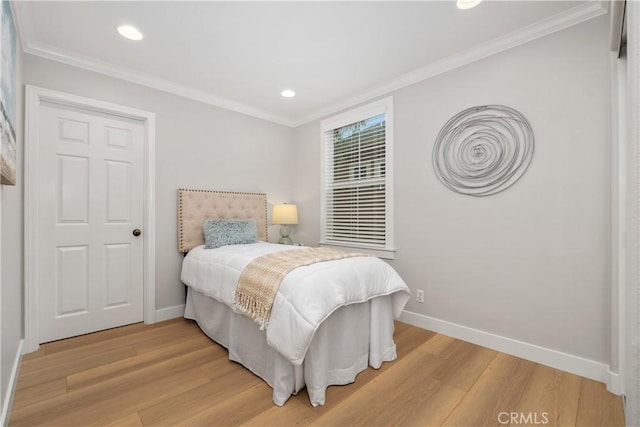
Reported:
(285, 241)
(284, 236)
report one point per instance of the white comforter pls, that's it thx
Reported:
(307, 295)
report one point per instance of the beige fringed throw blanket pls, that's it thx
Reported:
(261, 278)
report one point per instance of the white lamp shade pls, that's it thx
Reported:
(284, 214)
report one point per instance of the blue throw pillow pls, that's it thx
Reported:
(223, 232)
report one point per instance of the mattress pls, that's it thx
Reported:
(307, 295)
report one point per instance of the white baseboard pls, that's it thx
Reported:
(577, 365)
(615, 383)
(169, 313)
(11, 389)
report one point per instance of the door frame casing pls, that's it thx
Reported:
(34, 97)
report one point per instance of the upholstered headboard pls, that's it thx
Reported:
(197, 206)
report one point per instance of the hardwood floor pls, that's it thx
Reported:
(172, 374)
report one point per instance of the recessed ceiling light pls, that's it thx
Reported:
(129, 32)
(288, 93)
(467, 4)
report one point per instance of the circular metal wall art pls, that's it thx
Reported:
(483, 150)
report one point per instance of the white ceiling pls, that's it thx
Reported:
(240, 55)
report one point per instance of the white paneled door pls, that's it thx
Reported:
(90, 255)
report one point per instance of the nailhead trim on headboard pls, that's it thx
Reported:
(196, 206)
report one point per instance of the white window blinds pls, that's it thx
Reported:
(356, 208)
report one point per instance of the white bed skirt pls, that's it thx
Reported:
(352, 338)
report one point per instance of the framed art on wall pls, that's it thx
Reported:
(7, 95)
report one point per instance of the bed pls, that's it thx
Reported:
(311, 340)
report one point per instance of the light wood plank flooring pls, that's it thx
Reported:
(172, 374)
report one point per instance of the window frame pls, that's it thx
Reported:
(382, 106)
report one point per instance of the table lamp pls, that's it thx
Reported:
(284, 215)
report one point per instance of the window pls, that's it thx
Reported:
(357, 178)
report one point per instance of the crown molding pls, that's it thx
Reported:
(526, 34)
(91, 64)
(541, 28)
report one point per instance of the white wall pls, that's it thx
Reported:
(197, 146)
(11, 288)
(632, 291)
(530, 263)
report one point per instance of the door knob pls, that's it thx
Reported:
(137, 232)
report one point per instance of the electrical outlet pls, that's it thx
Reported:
(420, 296)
